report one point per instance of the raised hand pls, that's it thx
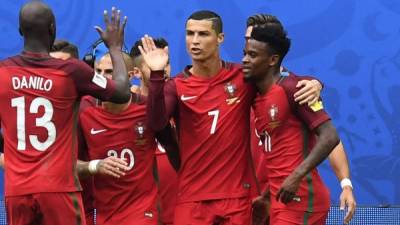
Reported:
(155, 58)
(113, 36)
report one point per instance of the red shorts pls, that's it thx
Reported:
(132, 217)
(236, 211)
(45, 209)
(291, 217)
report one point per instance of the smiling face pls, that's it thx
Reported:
(257, 60)
(202, 41)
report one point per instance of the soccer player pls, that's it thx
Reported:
(168, 181)
(211, 104)
(38, 100)
(337, 158)
(298, 195)
(62, 49)
(121, 130)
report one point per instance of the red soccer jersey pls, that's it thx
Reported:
(213, 129)
(123, 135)
(38, 102)
(288, 127)
(168, 186)
(257, 149)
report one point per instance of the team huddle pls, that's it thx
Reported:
(219, 143)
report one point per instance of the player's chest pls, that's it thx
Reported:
(103, 131)
(223, 94)
(271, 111)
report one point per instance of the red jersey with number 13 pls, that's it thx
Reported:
(39, 102)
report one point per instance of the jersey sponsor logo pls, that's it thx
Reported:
(93, 131)
(99, 80)
(140, 129)
(317, 106)
(231, 89)
(186, 98)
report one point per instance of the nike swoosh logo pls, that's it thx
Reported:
(93, 131)
(185, 98)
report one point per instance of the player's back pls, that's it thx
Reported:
(38, 101)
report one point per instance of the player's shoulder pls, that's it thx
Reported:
(10, 61)
(288, 81)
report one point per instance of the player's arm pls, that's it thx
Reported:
(309, 90)
(168, 139)
(1, 150)
(2, 160)
(261, 206)
(113, 37)
(326, 141)
(110, 166)
(339, 163)
(162, 99)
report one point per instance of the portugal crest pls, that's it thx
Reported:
(140, 129)
(230, 89)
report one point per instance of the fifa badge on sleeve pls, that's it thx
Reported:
(140, 129)
(230, 89)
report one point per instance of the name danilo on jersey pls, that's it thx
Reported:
(32, 82)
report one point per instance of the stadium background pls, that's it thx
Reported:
(352, 46)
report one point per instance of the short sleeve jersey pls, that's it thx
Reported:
(213, 129)
(39, 104)
(123, 135)
(289, 137)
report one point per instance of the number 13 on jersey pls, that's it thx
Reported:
(44, 121)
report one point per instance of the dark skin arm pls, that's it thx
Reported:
(168, 139)
(113, 38)
(327, 140)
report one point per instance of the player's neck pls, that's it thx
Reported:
(36, 46)
(206, 68)
(265, 84)
(115, 108)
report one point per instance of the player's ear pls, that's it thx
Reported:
(220, 38)
(274, 60)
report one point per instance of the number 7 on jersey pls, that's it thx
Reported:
(215, 114)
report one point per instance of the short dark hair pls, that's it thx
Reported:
(274, 37)
(65, 46)
(159, 42)
(208, 15)
(263, 20)
(135, 52)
